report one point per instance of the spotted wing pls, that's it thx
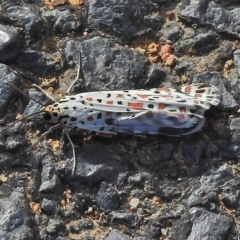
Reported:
(156, 111)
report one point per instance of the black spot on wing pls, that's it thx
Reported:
(83, 102)
(157, 92)
(99, 116)
(99, 100)
(101, 129)
(63, 116)
(55, 104)
(150, 106)
(72, 98)
(73, 119)
(109, 121)
(126, 91)
(182, 101)
(74, 108)
(65, 108)
(108, 95)
(119, 102)
(200, 91)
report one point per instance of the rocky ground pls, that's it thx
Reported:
(126, 187)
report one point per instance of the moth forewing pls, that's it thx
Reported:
(155, 111)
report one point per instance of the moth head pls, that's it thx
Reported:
(50, 113)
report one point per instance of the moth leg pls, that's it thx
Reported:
(80, 71)
(45, 134)
(73, 151)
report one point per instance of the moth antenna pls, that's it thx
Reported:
(19, 120)
(79, 72)
(23, 93)
(47, 95)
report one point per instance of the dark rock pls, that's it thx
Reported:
(172, 33)
(49, 206)
(9, 43)
(170, 192)
(182, 66)
(27, 17)
(216, 226)
(201, 224)
(206, 41)
(215, 78)
(234, 124)
(128, 219)
(232, 150)
(231, 199)
(104, 64)
(195, 200)
(137, 178)
(153, 229)
(40, 64)
(126, 19)
(14, 143)
(50, 181)
(156, 76)
(64, 19)
(94, 165)
(54, 226)
(209, 13)
(107, 197)
(7, 92)
(6, 161)
(15, 219)
(140, 238)
(218, 179)
(182, 227)
(116, 235)
(193, 152)
(81, 225)
(38, 100)
(227, 2)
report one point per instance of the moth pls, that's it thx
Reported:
(165, 111)
(156, 111)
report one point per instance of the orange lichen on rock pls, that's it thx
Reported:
(157, 53)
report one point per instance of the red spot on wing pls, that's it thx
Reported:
(188, 89)
(198, 95)
(143, 95)
(161, 106)
(182, 109)
(135, 105)
(89, 99)
(120, 96)
(109, 102)
(90, 118)
(163, 89)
